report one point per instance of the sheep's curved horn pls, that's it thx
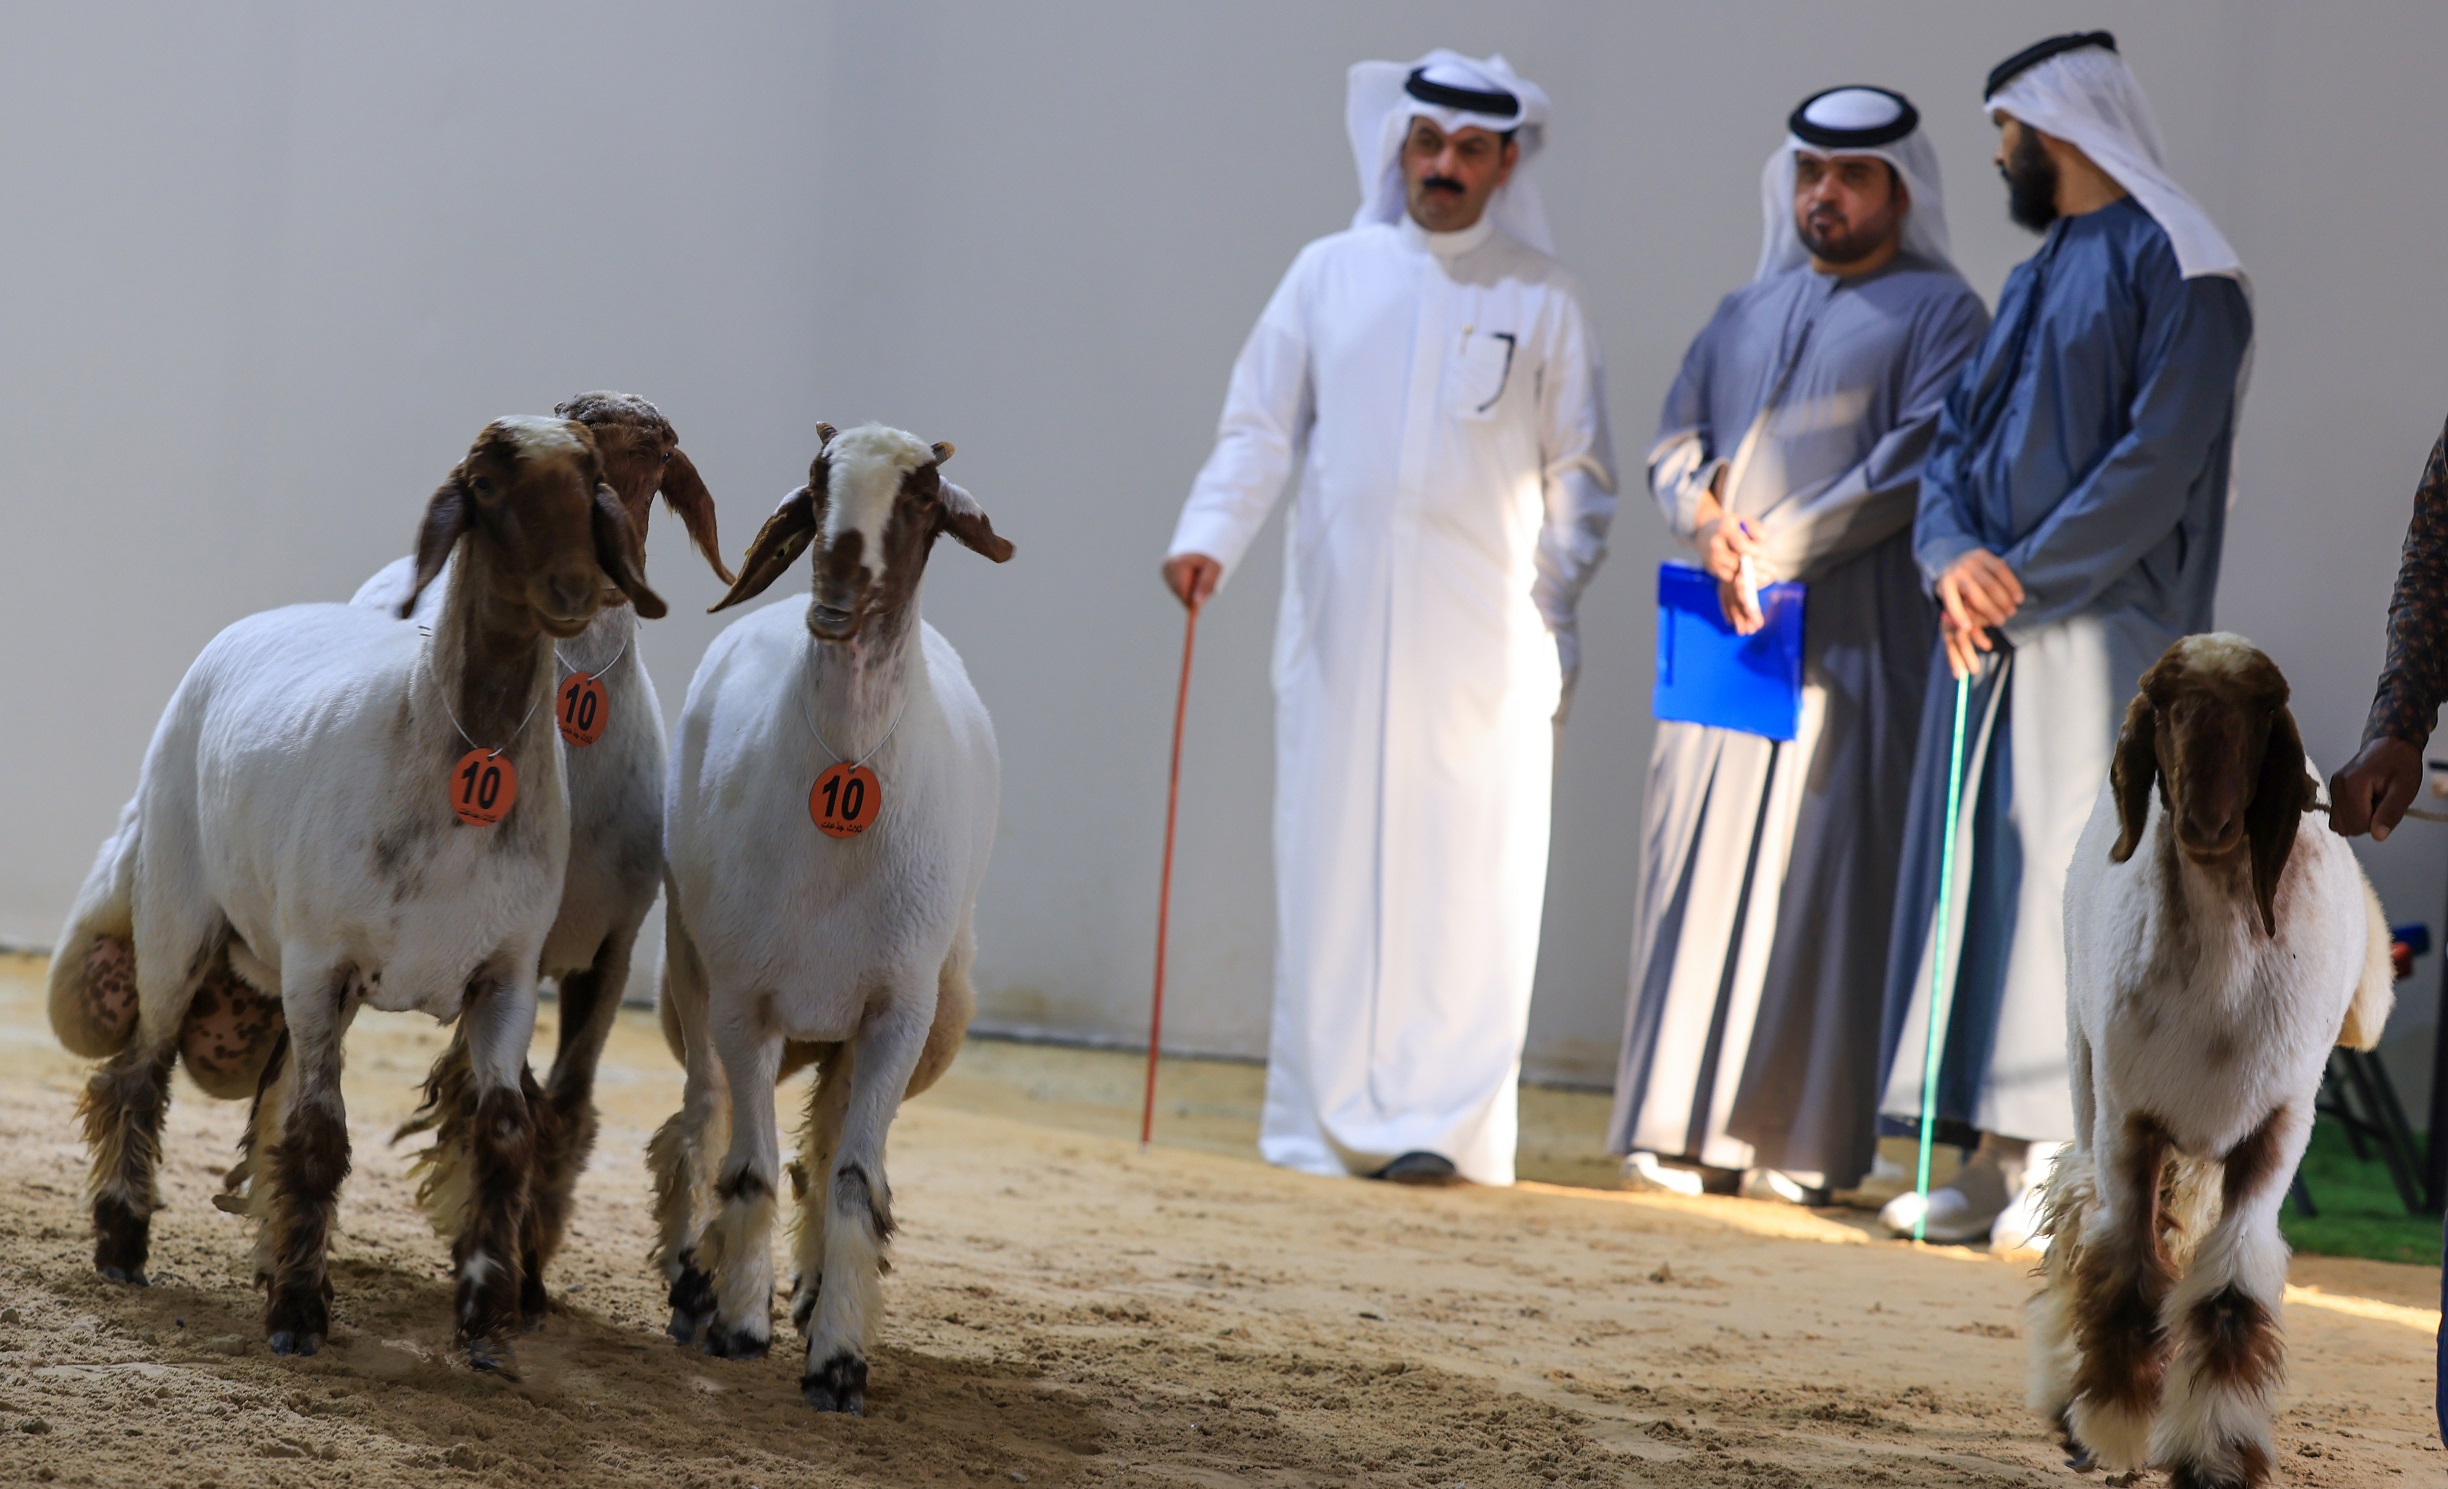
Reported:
(785, 535)
(942, 449)
(824, 434)
(684, 491)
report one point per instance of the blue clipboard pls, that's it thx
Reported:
(1707, 674)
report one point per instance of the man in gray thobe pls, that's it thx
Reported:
(2071, 515)
(1794, 439)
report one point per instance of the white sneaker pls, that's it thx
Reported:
(1960, 1211)
(1780, 1187)
(2017, 1226)
(1643, 1172)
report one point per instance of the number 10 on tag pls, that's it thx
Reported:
(483, 786)
(846, 800)
(580, 709)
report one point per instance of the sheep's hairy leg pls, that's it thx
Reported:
(306, 1166)
(675, 1156)
(127, 1098)
(736, 1251)
(265, 1121)
(567, 1122)
(858, 1200)
(487, 1256)
(2120, 1281)
(122, 1111)
(2055, 1356)
(819, 1139)
(2214, 1431)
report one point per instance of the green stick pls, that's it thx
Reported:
(1938, 1007)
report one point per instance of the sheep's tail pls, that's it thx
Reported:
(2376, 994)
(93, 968)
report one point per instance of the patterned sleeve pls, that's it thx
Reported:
(2414, 682)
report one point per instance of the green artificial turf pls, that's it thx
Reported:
(2360, 1213)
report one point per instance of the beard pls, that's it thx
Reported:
(2031, 184)
(1833, 240)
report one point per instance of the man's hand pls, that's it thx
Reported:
(1724, 543)
(1963, 648)
(2372, 793)
(1192, 577)
(1739, 612)
(1978, 592)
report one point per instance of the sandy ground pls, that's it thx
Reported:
(1068, 1310)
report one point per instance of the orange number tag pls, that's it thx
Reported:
(580, 709)
(846, 800)
(482, 787)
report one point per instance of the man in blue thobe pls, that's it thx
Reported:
(2070, 520)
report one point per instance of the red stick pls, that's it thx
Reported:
(1164, 892)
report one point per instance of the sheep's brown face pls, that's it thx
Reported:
(869, 563)
(642, 456)
(868, 517)
(546, 534)
(2212, 735)
(2210, 726)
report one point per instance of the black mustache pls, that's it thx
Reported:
(1443, 183)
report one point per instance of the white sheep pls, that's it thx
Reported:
(616, 832)
(2217, 946)
(303, 808)
(852, 950)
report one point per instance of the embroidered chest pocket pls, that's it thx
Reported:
(1482, 367)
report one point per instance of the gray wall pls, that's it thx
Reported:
(267, 268)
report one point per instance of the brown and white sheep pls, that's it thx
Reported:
(297, 800)
(782, 934)
(2218, 944)
(616, 843)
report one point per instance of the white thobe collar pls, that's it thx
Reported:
(1448, 245)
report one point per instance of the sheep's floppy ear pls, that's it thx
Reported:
(684, 491)
(446, 518)
(2132, 774)
(2276, 811)
(785, 535)
(965, 520)
(616, 548)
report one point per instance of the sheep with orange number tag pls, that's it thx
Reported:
(832, 805)
(350, 813)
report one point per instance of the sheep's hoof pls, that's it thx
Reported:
(493, 1357)
(533, 1304)
(2078, 1457)
(121, 1239)
(692, 1303)
(839, 1384)
(742, 1343)
(296, 1322)
(294, 1341)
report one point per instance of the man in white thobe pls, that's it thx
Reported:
(1432, 374)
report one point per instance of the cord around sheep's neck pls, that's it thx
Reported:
(860, 685)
